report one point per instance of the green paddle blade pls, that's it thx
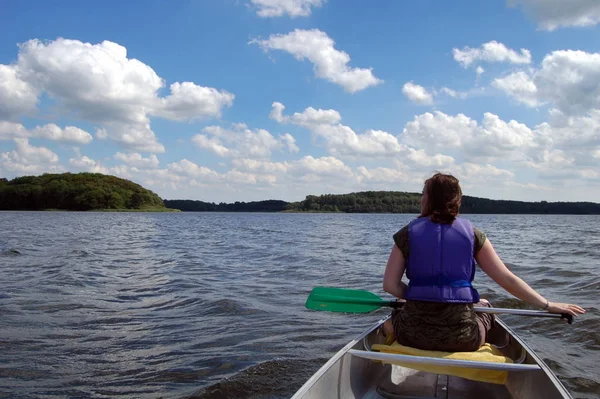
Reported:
(343, 300)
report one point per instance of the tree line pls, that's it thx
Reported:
(200, 206)
(385, 202)
(78, 191)
(89, 191)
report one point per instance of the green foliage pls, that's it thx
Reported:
(384, 202)
(200, 206)
(79, 191)
(401, 202)
(364, 202)
(484, 205)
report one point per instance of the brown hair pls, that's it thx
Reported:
(443, 198)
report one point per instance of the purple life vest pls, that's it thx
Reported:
(440, 265)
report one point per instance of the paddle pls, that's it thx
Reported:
(358, 301)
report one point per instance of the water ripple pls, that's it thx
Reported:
(212, 305)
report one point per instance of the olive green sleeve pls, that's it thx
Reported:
(401, 241)
(480, 238)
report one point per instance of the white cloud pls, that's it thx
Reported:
(567, 79)
(101, 134)
(520, 86)
(289, 175)
(473, 174)
(420, 159)
(589, 174)
(454, 93)
(261, 166)
(82, 162)
(206, 177)
(328, 63)
(492, 51)
(11, 130)
(548, 160)
(292, 8)
(240, 141)
(501, 137)
(17, 97)
(382, 175)
(289, 142)
(572, 132)
(553, 14)
(305, 169)
(100, 84)
(29, 153)
(87, 164)
(561, 148)
(189, 101)
(164, 180)
(212, 144)
(277, 112)
(324, 166)
(137, 160)
(139, 137)
(479, 70)
(189, 168)
(493, 138)
(438, 130)
(69, 134)
(309, 117)
(27, 159)
(417, 94)
(340, 139)
(570, 80)
(530, 186)
(237, 177)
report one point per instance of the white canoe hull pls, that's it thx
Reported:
(349, 376)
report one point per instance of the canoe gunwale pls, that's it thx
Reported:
(411, 359)
(543, 366)
(315, 377)
(531, 363)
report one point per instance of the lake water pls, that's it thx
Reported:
(143, 305)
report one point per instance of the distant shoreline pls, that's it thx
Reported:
(387, 202)
(284, 212)
(105, 193)
(149, 210)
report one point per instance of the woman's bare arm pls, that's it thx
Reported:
(392, 278)
(491, 264)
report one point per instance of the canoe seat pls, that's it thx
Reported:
(487, 364)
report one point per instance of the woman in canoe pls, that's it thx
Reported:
(438, 251)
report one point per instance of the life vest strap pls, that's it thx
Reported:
(439, 281)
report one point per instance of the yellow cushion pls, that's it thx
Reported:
(487, 353)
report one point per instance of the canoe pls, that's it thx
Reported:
(358, 371)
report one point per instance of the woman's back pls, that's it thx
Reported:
(438, 312)
(438, 252)
(440, 264)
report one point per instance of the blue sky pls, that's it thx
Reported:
(240, 100)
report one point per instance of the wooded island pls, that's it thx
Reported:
(77, 192)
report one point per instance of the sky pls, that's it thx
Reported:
(247, 100)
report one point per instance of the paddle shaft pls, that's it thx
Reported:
(397, 304)
(524, 312)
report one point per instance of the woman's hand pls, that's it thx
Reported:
(574, 310)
